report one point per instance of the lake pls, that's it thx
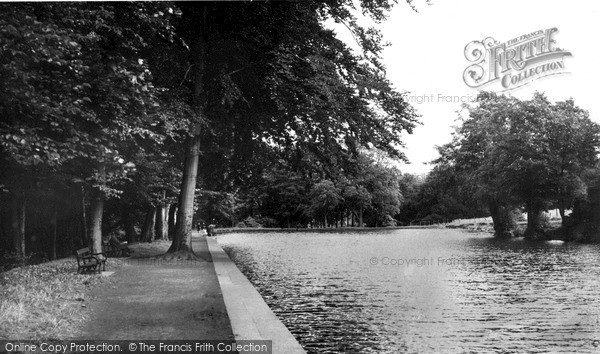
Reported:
(425, 290)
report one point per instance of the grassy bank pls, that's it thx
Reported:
(50, 300)
(46, 301)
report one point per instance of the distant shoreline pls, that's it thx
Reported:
(321, 230)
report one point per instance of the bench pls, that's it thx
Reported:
(118, 248)
(88, 262)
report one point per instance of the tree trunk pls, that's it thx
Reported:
(172, 217)
(563, 221)
(182, 240)
(534, 229)
(96, 211)
(84, 235)
(54, 223)
(129, 224)
(562, 213)
(360, 217)
(503, 219)
(165, 222)
(19, 225)
(181, 248)
(159, 228)
(148, 227)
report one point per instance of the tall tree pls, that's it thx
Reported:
(271, 73)
(549, 147)
(527, 153)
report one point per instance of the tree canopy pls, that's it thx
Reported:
(529, 153)
(116, 101)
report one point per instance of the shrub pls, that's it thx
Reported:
(388, 221)
(250, 222)
(266, 221)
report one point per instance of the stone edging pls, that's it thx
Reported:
(250, 316)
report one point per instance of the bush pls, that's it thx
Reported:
(388, 221)
(9, 260)
(267, 221)
(430, 219)
(250, 222)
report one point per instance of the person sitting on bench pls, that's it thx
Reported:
(120, 248)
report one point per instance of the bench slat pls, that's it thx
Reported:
(86, 261)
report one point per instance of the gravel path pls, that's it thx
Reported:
(150, 299)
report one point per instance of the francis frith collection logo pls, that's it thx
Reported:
(514, 63)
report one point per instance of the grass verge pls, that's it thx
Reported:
(46, 301)
(49, 301)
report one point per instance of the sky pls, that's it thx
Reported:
(426, 58)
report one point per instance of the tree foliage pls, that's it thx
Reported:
(120, 100)
(528, 153)
(77, 93)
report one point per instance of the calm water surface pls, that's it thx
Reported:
(425, 291)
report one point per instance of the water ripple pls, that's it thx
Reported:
(461, 293)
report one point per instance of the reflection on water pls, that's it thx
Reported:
(425, 291)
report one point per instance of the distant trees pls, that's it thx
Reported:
(515, 153)
(325, 199)
(357, 199)
(443, 194)
(216, 208)
(378, 190)
(369, 194)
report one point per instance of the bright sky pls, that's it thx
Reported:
(427, 57)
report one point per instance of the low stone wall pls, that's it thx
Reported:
(250, 316)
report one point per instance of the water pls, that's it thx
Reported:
(425, 291)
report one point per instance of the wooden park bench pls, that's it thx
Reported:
(88, 262)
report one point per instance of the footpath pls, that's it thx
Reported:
(208, 299)
(153, 300)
